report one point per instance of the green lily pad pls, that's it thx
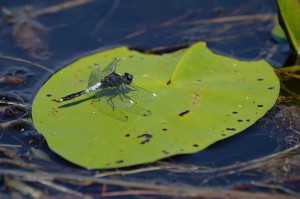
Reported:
(201, 98)
(290, 15)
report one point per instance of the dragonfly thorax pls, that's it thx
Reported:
(115, 80)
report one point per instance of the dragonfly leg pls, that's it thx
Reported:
(111, 103)
(126, 97)
(122, 90)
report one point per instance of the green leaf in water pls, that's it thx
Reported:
(279, 35)
(201, 98)
(290, 13)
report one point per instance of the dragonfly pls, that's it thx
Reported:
(117, 90)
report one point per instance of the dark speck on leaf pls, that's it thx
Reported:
(198, 80)
(271, 88)
(127, 135)
(145, 141)
(195, 145)
(230, 129)
(248, 120)
(164, 129)
(260, 105)
(235, 112)
(165, 152)
(223, 134)
(119, 161)
(184, 113)
(146, 136)
(48, 95)
(169, 82)
(240, 120)
(148, 113)
(260, 79)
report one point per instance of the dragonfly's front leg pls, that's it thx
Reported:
(111, 103)
(124, 97)
(124, 90)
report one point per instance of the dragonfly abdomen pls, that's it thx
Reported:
(94, 87)
(77, 94)
(72, 96)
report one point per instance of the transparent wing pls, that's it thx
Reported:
(109, 111)
(117, 113)
(114, 97)
(110, 68)
(97, 75)
(137, 93)
(139, 111)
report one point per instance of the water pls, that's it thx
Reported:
(155, 26)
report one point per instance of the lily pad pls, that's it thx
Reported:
(290, 15)
(201, 98)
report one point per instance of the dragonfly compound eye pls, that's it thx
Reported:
(128, 77)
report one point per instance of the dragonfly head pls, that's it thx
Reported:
(128, 77)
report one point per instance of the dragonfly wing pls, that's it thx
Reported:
(109, 111)
(97, 75)
(128, 92)
(114, 97)
(138, 93)
(118, 114)
(111, 68)
(139, 111)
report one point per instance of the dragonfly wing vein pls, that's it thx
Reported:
(111, 68)
(95, 77)
(139, 94)
(109, 111)
(114, 98)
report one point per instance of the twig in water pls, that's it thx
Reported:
(108, 15)
(59, 7)
(26, 62)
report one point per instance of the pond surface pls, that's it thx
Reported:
(38, 40)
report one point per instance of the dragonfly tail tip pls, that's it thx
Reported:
(58, 101)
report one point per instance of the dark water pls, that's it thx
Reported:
(157, 26)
